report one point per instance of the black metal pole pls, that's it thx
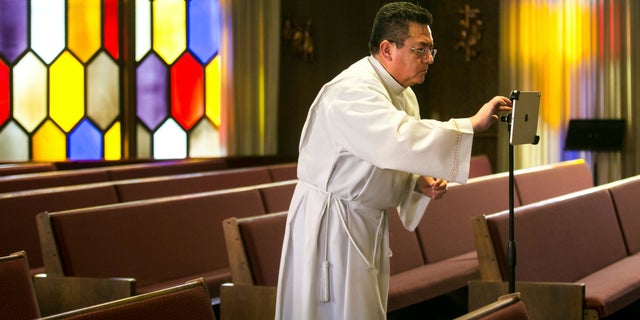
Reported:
(511, 246)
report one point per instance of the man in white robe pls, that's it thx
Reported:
(364, 149)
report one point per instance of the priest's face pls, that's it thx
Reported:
(412, 58)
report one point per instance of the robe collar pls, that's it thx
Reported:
(392, 85)
(394, 88)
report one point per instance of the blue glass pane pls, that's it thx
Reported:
(204, 28)
(152, 86)
(13, 28)
(85, 142)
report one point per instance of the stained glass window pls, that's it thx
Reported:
(62, 75)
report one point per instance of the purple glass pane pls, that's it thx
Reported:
(13, 28)
(85, 142)
(204, 28)
(151, 86)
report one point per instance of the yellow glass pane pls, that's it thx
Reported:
(84, 22)
(169, 28)
(30, 92)
(66, 91)
(213, 90)
(112, 144)
(49, 143)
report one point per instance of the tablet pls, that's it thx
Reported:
(524, 117)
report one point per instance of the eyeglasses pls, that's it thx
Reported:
(422, 52)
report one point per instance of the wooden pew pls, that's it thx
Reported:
(10, 169)
(439, 257)
(626, 197)
(480, 166)
(164, 186)
(283, 171)
(254, 245)
(18, 210)
(39, 180)
(507, 307)
(187, 301)
(163, 168)
(548, 181)
(574, 238)
(159, 242)
(27, 297)
(16, 290)
(276, 196)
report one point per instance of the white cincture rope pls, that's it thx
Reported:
(326, 265)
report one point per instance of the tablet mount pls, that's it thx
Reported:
(511, 244)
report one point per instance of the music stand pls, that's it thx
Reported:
(595, 135)
(522, 125)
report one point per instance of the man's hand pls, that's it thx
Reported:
(431, 187)
(487, 115)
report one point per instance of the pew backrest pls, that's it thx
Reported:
(164, 186)
(561, 239)
(548, 181)
(276, 196)
(163, 168)
(17, 296)
(445, 230)
(254, 245)
(626, 197)
(39, 180)
(10, 169)
(18, 211)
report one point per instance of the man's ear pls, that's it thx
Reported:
(386, 50)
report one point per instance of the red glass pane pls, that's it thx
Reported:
(111, 28)
(4, 93)
(187, 92)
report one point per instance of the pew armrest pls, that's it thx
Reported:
(58, 294)
(247, 302)
(487, 260)
(544, 300)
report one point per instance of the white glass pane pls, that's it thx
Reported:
(143, 28)
(30, 92)
(204, 141)
(47, 28)
(170, 141)
(143, 142)
(103, 90)
(14, 143)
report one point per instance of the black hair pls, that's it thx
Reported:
(392, 23)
